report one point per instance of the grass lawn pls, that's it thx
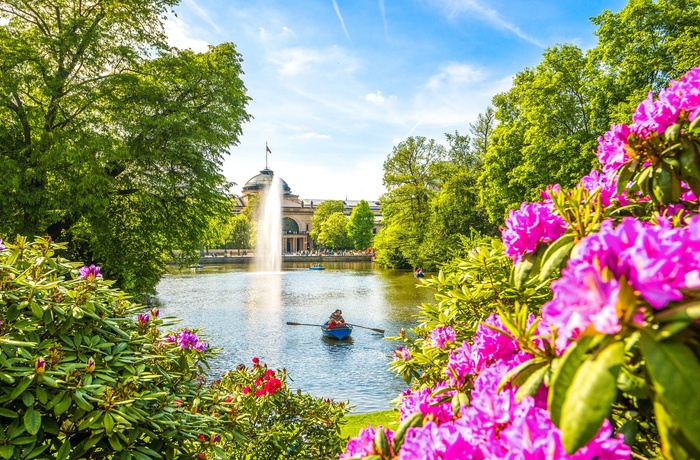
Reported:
(388, 419)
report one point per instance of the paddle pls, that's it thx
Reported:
(381, 331)
(353, 325)
(303, 324)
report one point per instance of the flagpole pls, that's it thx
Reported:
(267, 149)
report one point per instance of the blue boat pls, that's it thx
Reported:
(317, 267)
(337, 332)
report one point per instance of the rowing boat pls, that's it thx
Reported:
(337, 332)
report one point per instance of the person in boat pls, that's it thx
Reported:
(419, 271)
(336, 319)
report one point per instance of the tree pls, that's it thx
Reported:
(481, 133)
(360, 225)
(640, 49)
(110, 140)
(334, 232)
(547, 127)
(322, 213)
(240, 232)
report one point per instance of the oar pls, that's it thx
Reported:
(381, 331)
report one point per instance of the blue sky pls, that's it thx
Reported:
(336, 84)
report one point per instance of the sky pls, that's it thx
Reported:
(337, 84)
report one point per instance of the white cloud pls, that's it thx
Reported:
(179, 36)
(294, 61)
(378, 97)
(201, 12)
(478, 10)
(342, 22)
(455, 74)
(312, 135)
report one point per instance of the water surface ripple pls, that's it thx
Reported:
(245, 314)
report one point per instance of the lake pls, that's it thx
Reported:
(245, 313)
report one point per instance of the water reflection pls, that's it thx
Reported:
(245, 314)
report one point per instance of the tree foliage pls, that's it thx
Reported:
(110, 140)
(334, 232)
(549, 120)
(432, 200)
(360, 226)
(86, 373)
(322, 213)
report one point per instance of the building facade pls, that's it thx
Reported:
(296, 212)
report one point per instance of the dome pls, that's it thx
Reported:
(262, 181)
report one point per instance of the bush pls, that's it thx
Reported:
(608, 368)
(85, 373)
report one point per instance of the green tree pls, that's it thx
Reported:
(109, 139)
(239, 237)
(322, 213)
(334, 232)
(360, 225)
(481, 133)
(411, 177)
(642, 48)
(547, 130)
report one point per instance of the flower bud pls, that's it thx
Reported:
(40, 366)
(90, 366)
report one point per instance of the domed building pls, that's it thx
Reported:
(296, 212)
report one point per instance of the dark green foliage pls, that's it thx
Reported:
(135, 398)
(285, 424)
(108, 139)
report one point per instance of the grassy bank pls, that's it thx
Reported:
(388, 419)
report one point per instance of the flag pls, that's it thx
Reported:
(267, 148)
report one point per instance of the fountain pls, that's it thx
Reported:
(268, 240)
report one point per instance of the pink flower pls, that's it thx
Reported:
(612, 147)
(532, 224)
(40, 366)
(402, 353)
(363, 445)
(653, 117)
(2, 246)
(89, 273)
(460, 365)
(607, 184)
(428, 404)
(441, 336)
(582, 298)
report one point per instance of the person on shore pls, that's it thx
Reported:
(336, 319)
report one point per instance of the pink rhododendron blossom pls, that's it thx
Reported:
(444, 442)
(688, 89)
(187, 340)
(426, 403)
(658, 261)
(89, 273)
(581, 299)
(654, 116)
(607, 183)
(612, 147)
(460, 365)
(441, 336)
(490, 345)
(363, 445)
(2, 246)
(402, 353)
(532, 224)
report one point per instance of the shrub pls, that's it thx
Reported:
(609, 367)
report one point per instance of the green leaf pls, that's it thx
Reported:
(79, 399)
(7, 451)
(689, 160)
(532, 384)
(593, 391)
(32, 421)
(20, 388)
(555, 255)
(523, 268)
(8, 413)
(675, 373)
(564, 370)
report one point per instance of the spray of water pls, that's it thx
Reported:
(268, 243)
